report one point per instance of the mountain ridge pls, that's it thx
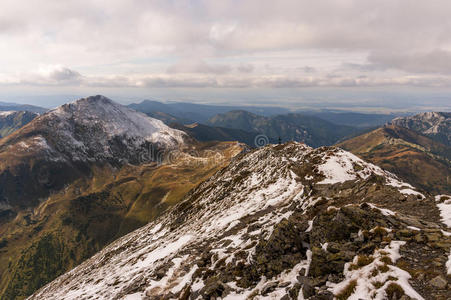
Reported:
(436, 125)
(282, 221)
(414, 157)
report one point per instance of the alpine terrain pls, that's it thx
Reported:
(280, 222)
(436, 125)
(11, 121)
(84, 174)
(412, 156)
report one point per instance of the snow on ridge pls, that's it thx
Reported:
(261, 186)
(342, 166)
(118, 120)
(7, 113)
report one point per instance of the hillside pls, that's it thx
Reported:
(289, 127)
(280, 222)
(84, 174)
(436, 125)
(206, 133)
(415, 158)
(11, 121)
(76, 222)
(64, 144)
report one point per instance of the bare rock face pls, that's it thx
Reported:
(280, 222)
(436, 125)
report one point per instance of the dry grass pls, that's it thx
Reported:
(347, 291)
(383, 269)
(362, 260)
(394, 291)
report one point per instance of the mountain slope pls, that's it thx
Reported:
(84, 174)
(206, 133)
(289, 127)
(281, 222)
(436, 125)
(62, 145)
(415, 158)
(6, 106)
(11, 121)
(76, 222)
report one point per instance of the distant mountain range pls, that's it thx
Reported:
(189, 113)
(353, 118)
(192, 112)
(6, 106)
(288, 127)
(316, 128)
(206, 133)
(436, 125)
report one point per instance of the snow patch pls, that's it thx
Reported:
(445, 209)
(384, 211)
(6, 113)
(364, 276)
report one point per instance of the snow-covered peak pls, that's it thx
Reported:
(96, 129)
(118, 120)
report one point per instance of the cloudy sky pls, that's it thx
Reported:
(295, 53)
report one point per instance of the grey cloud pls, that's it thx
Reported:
(105, 34)
(436, 61)
(200, 67)
(245, 68)
(64, 74)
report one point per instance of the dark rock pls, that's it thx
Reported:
(268, 288)
(438, 282)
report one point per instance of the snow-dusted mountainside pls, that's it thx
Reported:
(11, 121)
(62, 145)
(280, 222)
(96, 129)
(436, 125)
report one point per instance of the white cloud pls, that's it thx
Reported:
(249, 43)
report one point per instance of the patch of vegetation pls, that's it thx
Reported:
(39, 264)
(377, 284)
(387, 260)
(362, 260)
(383, 269)
(380, 231)
(347, 291)
(394, 291)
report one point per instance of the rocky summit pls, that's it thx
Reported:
(280, 222)
(436, 125)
